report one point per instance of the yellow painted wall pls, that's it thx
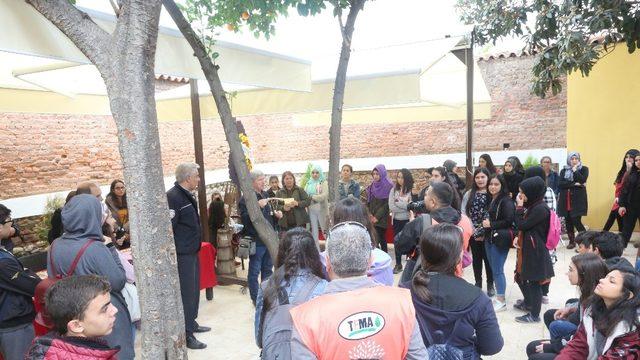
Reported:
(46, 102)
(603, 123)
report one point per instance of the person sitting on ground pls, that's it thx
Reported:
(585, 271)
(356, 317)
(82, 313)
(82, 220)
(447, 307)
(298, 272)
(17, 287)
(438, 204)
(586, 241)
(609, 328)
(352, 209)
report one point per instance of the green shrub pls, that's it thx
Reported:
(42, 229)
(531, 161)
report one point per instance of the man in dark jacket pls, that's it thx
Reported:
(12, 231)
(437, 202)
(82, 313)
(260, 263)
(187, 234)
(16, 305)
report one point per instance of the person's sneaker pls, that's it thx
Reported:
(499, 306)
(571, 245)
(397, 269)
(527, 319)
(519, 302)
(520, 306)
(491, 291)
(545, 299)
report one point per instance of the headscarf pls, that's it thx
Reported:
(380, 189)
(310, 184)
(82, 218)
(534, 189)
(449, 165)
(568, 172)
(513, 167)
(535, 171)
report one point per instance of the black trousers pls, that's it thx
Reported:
(533, 355)
(189, 274)
(479, 255)
(533, 296)
(629, 223)
(613, 216)
(573, 223)
(382, 240)
(398, 225)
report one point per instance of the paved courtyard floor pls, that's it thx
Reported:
(230, 314)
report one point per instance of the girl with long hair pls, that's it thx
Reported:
(448, 307)
(629, 202)
(399, 198)
(298, 263)
(628, 165)
(378, 202)
(475, 204)
(485, 162)
(441, 174)
(116, 201)
(500, 235)
(609, 327)
(572, 203)
(585, 271)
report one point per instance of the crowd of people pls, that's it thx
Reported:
(341, 301)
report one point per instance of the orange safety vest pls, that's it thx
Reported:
(367, 323)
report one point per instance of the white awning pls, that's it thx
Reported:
(34, 54)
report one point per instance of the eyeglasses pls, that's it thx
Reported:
(7, 220)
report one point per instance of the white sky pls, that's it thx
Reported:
(380, 27)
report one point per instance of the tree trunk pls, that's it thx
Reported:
(125, 60)
(338, 99)
(265, 231)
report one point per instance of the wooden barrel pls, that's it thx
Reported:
(225, 263)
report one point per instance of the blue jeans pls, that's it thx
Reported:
(497, 258)
(259, 263)
(562, 329)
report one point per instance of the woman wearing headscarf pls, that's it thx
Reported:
(572, 203)
(378, 202)
(82, 221)
(315, 184)
(533, 266)
(513, 175)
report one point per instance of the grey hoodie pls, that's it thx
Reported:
(81, 219)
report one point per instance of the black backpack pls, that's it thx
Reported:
(276, 325)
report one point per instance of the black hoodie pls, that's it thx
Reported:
(409, 237)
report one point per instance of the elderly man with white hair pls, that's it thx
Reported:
(187, 233)
(356, 318)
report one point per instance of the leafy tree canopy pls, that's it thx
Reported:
(566, 35)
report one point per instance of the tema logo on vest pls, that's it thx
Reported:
(361, 325)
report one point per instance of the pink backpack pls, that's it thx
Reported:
(553, 236)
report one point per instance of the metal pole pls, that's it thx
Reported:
(470, 65)
(197, 143)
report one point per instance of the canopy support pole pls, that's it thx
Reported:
(470, 65)
(197, 143)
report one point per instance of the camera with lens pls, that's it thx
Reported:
(120, 232)
(416, 206)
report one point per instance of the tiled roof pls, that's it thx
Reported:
(176, 79)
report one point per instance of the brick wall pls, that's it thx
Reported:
(46, 152)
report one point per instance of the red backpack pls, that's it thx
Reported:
(42, 318)
(555, 230)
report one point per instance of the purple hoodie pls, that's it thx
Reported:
(380, 270)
